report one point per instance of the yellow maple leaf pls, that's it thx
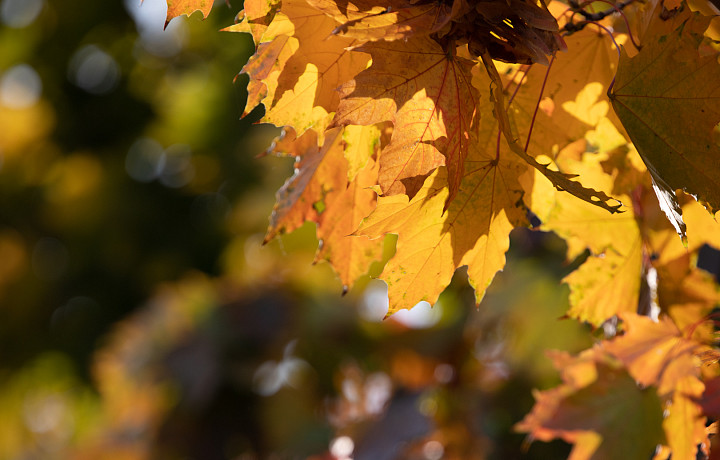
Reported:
(432, 244)
(590, 60)
(320, 192)
(608, 282)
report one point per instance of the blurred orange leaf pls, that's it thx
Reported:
(655, 353)
(606, 417)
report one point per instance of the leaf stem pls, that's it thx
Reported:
(537, 106)
(560, 180)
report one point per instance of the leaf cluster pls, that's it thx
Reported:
(450, 123)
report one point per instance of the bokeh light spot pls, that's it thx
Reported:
(342, 447)
(94, 70)
(374, 303)
(178, 169)
(145, 160)
(20, 87)
(433, 450)
(421, 316)
(154, 38)
(20, 13)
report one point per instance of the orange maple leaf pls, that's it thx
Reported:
(296, 70)
(187, 7)
(317, 176)
(658, 354)
(319, 192)
(428, 95)
(655, 353)
(350, 256)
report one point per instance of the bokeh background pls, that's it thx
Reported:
(140, 315)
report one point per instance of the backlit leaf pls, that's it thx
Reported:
(304, 195)
(605, 416)
(608, 282)
(427, 93)
(685, 424)
(187, 7)
(432, 244)
(655, 353)
(350, 256)
(667, 98)
(297, 74)
(560, 180)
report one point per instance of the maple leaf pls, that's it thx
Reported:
(256, 18)
(608, 282)
(187, 7)
(433, 241)
(474, 230)
(296, 71)
(427, 93)
(317, 175)
(655, 353)
(666, 97)
(350, 256)
(584, 71)
(605, 286)
(319, 192)
(685, 424)
(599, 408)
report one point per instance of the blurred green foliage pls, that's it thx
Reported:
(140, 316)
